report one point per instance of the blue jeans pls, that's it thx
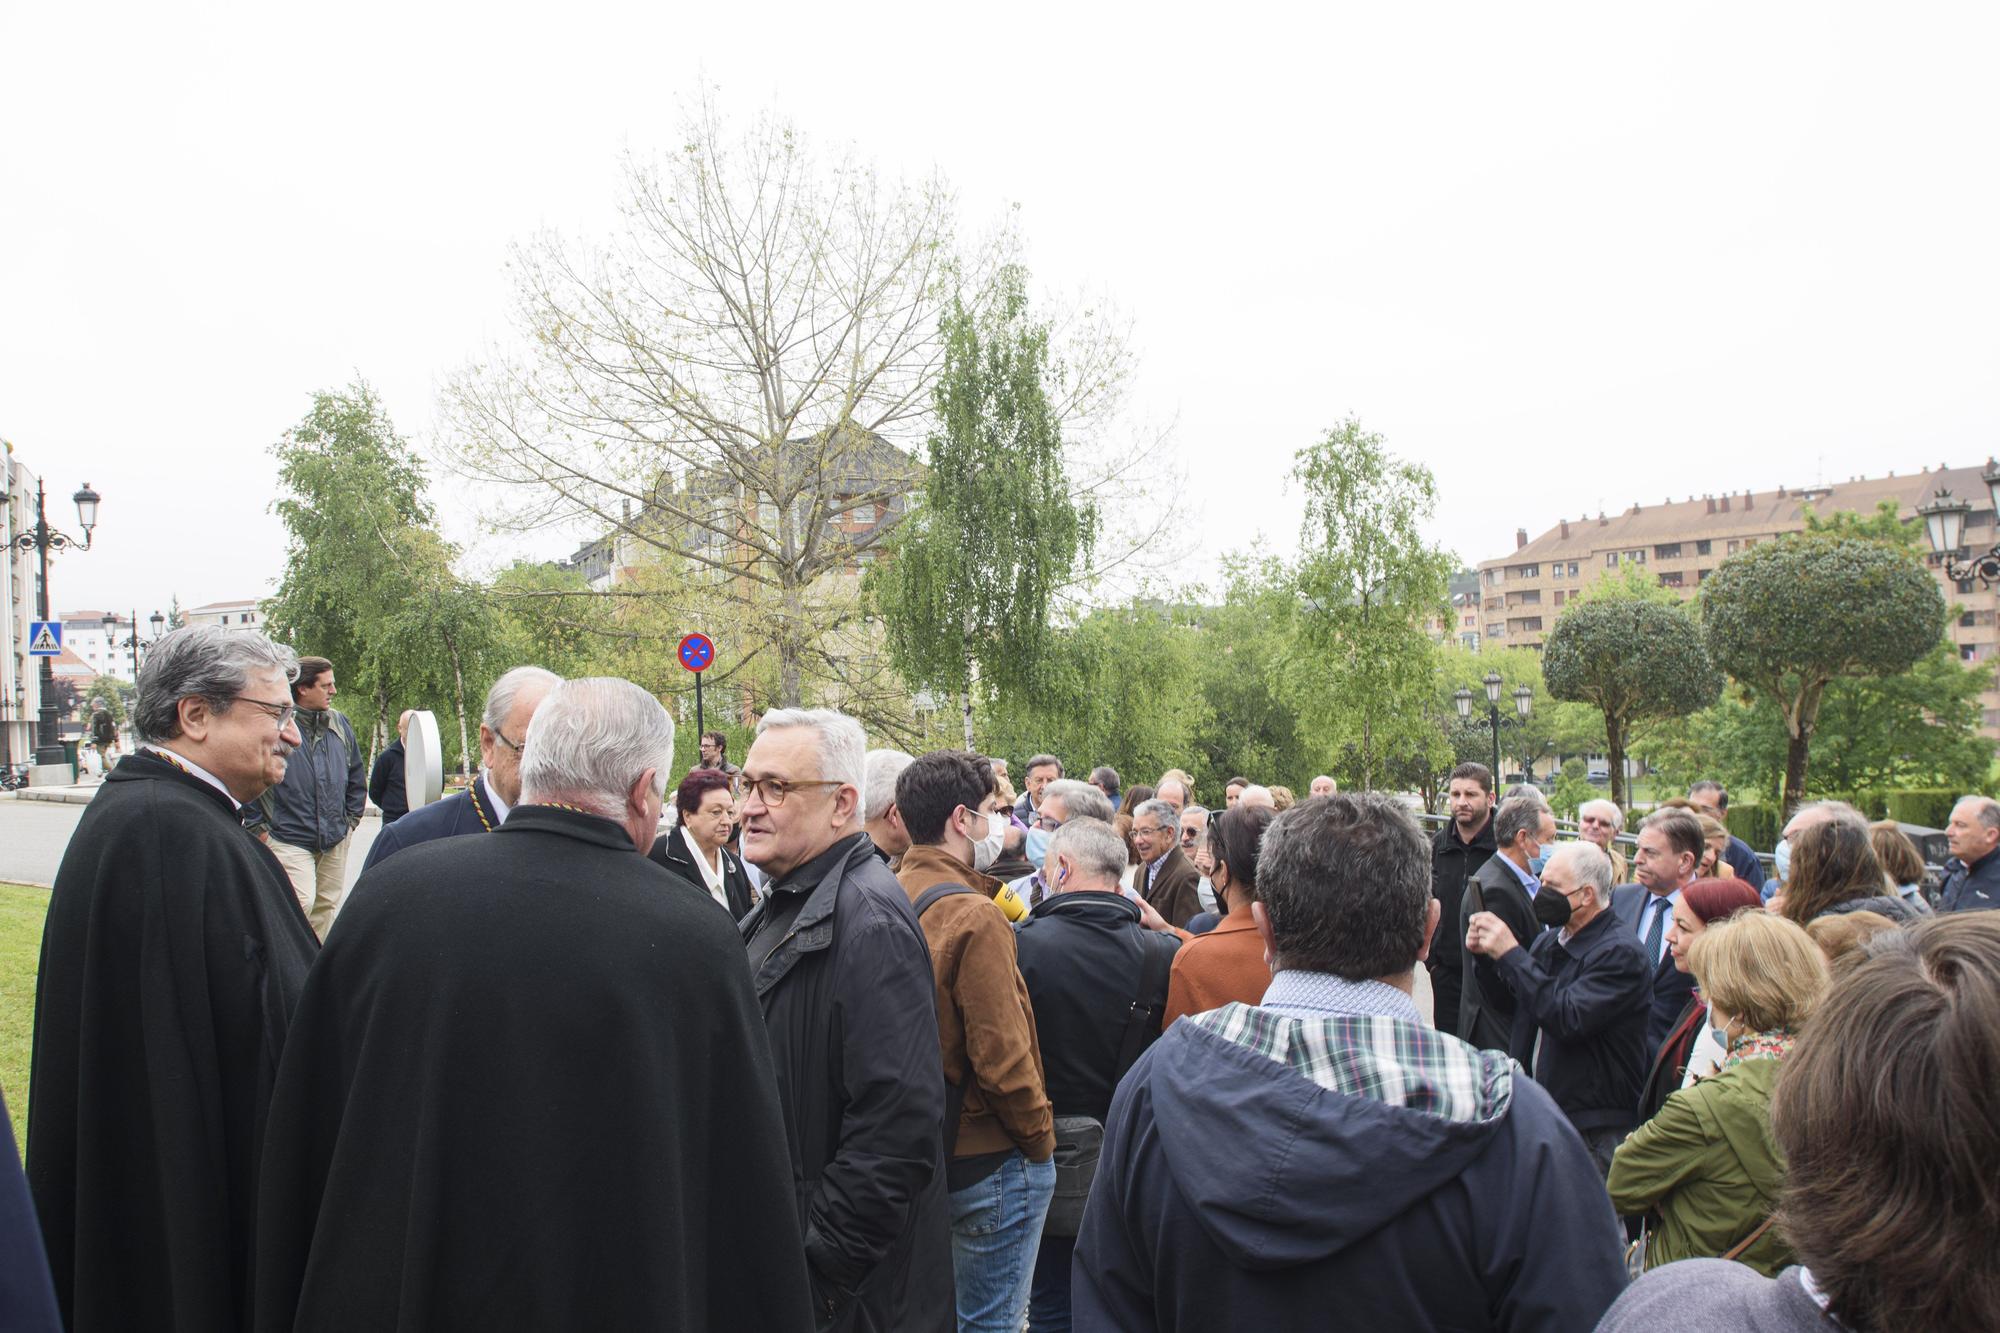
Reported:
(995, 1226)
(1048, 1305)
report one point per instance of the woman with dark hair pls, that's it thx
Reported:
(1834, 870)
(1889, 1201)
(1690, 1050)
(695, 851)
(1902, 864)
(1227, 963)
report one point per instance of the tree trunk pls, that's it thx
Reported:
(458, 699)
(1803, 716)
(965, 711)
(1614, 750)
(1368, 752)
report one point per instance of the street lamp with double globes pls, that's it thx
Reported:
(43, 539)
(135, 643)
(1524, 702)
(1944, 524)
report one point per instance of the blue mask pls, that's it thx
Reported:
(1037, 846)
(1538, 860)
(1783, 859)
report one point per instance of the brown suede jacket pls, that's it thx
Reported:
(985, 1021)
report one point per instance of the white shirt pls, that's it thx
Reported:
(177, 758)
(1644, 925)
(712, 875)
(499, 802)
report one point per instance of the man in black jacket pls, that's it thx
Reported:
(1457, 852)
(1083, 954)
(1973, 883)
(314, 811)
(844, 978)
(1581, 990)
(172, 958)
(1505, 886)
(387, 784)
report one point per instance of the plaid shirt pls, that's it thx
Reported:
(1350, 1038)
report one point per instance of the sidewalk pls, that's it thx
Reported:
(78, 794)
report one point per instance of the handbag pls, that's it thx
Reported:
(1080, 1138)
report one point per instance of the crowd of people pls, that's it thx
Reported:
(848, 1038)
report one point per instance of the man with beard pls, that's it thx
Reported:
(527, 1086)
(174, 952)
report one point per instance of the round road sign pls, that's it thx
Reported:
(697, 652)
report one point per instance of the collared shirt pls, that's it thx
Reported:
(1316, 994)
(1645, 922)
(500, 806)
(711, 875)
(192, 769)
(1528, 881)
(1153, 869)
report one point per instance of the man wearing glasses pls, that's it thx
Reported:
(315, 810)
(843, 976)
(484, 806)
(172, 959)
(1167, 878)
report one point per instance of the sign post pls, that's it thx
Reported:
(697, 654)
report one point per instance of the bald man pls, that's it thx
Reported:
(386, 786)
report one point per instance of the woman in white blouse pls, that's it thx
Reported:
(695, 852)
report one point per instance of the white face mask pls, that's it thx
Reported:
(986, 850)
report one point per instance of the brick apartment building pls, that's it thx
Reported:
(1681, 543)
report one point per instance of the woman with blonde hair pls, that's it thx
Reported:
(1715, 840)
(1707, 1166)
(1282, 798)
(1844, 938)
(1902, 864)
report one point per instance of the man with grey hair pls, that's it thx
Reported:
(1257, 795)
(1042, 770)
(1972, 884)
(171, 960)
(1601, 821)
(485, 805)
(843, 975)
(1323, 785)
(568, 1043)
(1582, 992)
(881, 820)
(1166, 879)
(1671, 843)
(1098, 979)
(1062, 800)
(1508, 886)
(1377, 1173)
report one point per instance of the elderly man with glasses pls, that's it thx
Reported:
(1167, 880)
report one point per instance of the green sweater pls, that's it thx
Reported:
(1707, 1163)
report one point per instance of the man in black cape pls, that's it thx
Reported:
(173, 954)
(528, 1085)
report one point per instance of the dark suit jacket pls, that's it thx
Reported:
(1671, 986)
(468, 812)
(1486, 1005)
(1176, 890)
(670, 850)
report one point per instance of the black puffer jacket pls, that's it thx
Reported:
(1452, 864)
(844, 978)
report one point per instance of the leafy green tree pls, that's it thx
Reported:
(1367, 579)
(1633, 661)
(176, 618)
(1251, 727)
(1788, 618)
(967, 590)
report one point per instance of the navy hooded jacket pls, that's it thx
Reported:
(1235, 1192)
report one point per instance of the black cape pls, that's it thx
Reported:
(528, 1087)
(173, 954)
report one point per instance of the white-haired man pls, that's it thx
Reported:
(882, 821)
(484, 806)
(1973, 885)
(1323, 785)
(513, 1019)
(1601, 821)
(844, 977)
(172, 956)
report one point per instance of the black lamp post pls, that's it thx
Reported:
(1524, 702)
(48, 749)
(135, 643)
(1944, 524)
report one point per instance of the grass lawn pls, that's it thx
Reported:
(21, 912)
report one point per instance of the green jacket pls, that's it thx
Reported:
(1708, 1165)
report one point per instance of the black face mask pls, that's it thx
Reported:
(1551, 908)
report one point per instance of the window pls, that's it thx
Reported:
(1979, 518)
(1671, 579)
(1532, 597)
(1492, 577)
(1702, 547)
(1611, 559)
(1734, 547)
(1965, 585)
(1701, 575)
(1667, 551)
(1526, 571)
(1495, 630)
(1532, 625)
(1968, 653)
(1965, 619)
(1559, 597)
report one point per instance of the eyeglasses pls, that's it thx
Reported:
(1047, 823)
(773, 791)
(1189, 833)
(1141, 831)
(502, 736)
(283, 713)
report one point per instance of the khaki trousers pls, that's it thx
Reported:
(318, 878)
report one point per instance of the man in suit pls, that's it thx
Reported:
(1167, 879)
(1505, 886)
(1670, 846)
(483, 807)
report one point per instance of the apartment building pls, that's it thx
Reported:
(243, 613)
(1681, 542)
(20, 675)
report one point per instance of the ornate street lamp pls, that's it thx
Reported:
(48, 749)
(1524, 703)
(1944, 524)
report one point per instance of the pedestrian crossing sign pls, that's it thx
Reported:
(44, 638)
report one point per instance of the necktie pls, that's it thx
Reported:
(1656, 927)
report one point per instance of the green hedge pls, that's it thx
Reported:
(1755, 824)
(1930, 807)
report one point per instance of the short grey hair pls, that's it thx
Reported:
(1044, 761)
(1257, 794)
(203, 662)
(1517, 815)
(592, 739)
(1201, 810)
(1988, 809)
(843, 746)
(878, 791)
(1163, 813)
(1593, 867)
(506, 692)
(1080, 800)
(1346, 886)
(1526, 791)
(1820, 812)
(1615, 815)
(1096, 848)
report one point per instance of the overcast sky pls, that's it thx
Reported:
(1568, 257)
